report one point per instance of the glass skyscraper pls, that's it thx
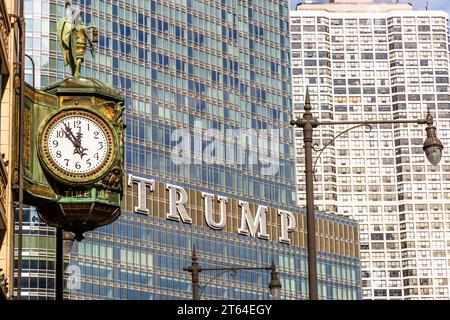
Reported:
(191, 69)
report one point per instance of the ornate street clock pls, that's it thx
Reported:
(73, 156)
(73, 142)
(77, 146)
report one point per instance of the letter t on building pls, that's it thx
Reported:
(142, 195)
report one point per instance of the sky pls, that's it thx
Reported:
(417, 4)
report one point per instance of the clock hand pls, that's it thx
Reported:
(69, 135)
(75, 141)
(78, 139)
(79, 135)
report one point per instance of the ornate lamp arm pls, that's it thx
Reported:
(321, 150)
(203, 287)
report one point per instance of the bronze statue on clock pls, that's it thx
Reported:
(73, 35)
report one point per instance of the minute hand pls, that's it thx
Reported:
(76, 142)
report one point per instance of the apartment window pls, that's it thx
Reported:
(411, 37)
(410, 45)
(395, 292)
(309, 28)
(395, 20)
(336, 22)
(381, 56)
(424, 45)
(423, 28)
(338, 56)
(296, 28)
(379, 292)
(322, 28)
(378, 246)
(395, 46)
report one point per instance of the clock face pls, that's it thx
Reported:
(76, 145)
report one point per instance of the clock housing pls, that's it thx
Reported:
(77, 196)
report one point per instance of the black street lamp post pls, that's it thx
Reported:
(195, 269)
(432, 147)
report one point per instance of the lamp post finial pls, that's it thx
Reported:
(307, 100)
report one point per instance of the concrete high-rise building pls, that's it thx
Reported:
(367, 61)
(192, 73)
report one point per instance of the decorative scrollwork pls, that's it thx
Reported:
(4, 31)
(112, 180)
(317, 148)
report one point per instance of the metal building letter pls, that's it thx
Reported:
(209, 211)
(288, 224)
(247, 220)
(176, 207)
(142, 196)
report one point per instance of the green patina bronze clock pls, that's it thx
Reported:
(73, 154)
(77, 146)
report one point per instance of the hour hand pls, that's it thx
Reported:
(80, 150)
(76, 141)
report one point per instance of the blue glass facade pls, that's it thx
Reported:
(190, 65)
